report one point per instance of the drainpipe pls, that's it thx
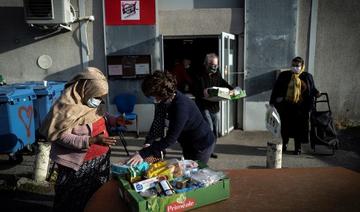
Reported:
(83, 36)
(312, 36)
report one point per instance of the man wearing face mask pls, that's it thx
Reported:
(210, 77)
(80, 143)
(293, 97)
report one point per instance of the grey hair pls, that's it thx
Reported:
(209, 57)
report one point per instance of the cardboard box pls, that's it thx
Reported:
(177, 202)
(217, 94)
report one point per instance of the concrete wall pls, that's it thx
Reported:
(19, 50)
(198, 4)
(270, 38)
(337, 56)
(302, 34)
(201, 21)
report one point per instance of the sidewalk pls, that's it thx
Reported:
(238, 150)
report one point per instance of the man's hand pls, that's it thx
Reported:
(206, 94)
(231, 92)
(135, 159)
(101, 140)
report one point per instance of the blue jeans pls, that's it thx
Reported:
(213, 120)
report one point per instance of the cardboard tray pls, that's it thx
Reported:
(177, 202)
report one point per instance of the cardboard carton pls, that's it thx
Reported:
(177, 202)
(217, 94)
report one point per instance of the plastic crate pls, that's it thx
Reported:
(16, 118)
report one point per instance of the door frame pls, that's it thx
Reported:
(225, 126)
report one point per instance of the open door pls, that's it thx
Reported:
(227, 56)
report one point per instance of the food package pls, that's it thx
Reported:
(143, 185)
(217, 94)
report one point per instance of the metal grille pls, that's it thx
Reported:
(39, 9)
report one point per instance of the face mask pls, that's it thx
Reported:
(154, 100)
(93, 102)
(296, 69)
(213, 68)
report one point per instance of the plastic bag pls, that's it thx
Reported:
(207, 176)
(272, 121)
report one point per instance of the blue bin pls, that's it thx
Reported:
(17, 128)
(46, 96)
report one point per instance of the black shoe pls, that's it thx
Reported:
(213, 155)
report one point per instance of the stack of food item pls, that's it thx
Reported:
(167, 177)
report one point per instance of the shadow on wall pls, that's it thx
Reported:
(201, 4)
(18, 33)
(139, 48)
(261, 84)
(65, 74)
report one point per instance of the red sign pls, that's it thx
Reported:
(130, 12)
(180, 205)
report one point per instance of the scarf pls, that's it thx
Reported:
(71, 109)
(294, 87)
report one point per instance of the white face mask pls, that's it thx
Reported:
(93, 102)
(296, 69)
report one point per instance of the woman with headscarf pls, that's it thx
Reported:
(293, 96)
(76, 128)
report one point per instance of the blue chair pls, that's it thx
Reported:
(125, 104)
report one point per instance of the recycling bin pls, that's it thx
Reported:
(17, 129)
(47, 92)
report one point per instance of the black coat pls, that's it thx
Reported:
(294, 116)
(206, 80)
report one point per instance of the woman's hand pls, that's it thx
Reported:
(101, 140)
(135, 159)
(122, 121)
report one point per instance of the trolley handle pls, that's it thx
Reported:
(324, 100)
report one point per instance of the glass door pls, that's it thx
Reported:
(227, 56)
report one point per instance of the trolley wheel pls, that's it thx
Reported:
(15, 158)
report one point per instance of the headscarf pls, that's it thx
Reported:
(294, 87)
(71, 109)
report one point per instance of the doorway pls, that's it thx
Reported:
(176, 48)
(191, 47)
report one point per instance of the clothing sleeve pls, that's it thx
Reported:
(74, 141)
(275, 93)
(313, 90)
(158, 124)
(311, 94)
(225, 84)
(176, 125)
(110, 120)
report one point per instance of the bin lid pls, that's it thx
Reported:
(11, 94)
(41, 89)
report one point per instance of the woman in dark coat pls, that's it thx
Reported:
(293, 96)
(186, 123)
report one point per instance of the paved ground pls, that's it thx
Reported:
(238, 150)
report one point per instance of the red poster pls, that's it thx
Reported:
(130, 12)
